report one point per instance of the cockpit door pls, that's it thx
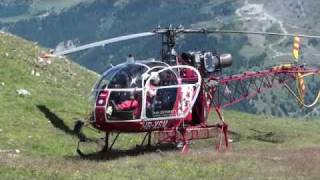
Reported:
(170, 93)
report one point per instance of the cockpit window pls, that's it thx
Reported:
(105, 79)
(124, 105)
(129, 76)
(122, 76)
(168, 78)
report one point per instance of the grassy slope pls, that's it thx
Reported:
(264, 147)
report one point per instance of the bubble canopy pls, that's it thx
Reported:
(147, 91)
(127, 75)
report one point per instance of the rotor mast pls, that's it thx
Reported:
(168, 53)
(168, 43)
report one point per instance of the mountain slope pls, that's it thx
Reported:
(88, 22)
(61, 87)
(85, 21)
(36, 141)
(91, 20)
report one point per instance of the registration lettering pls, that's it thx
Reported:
(148, 125)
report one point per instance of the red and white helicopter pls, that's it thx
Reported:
(171, 98)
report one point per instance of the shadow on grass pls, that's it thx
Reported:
(270, 137)
(236, 137)
(117, 154)
(58, 123)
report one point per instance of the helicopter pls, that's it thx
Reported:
(171, 98)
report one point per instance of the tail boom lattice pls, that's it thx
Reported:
(233, 89)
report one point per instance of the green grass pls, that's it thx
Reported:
(264, 147)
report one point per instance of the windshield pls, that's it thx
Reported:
(130, 76)
(122, 76)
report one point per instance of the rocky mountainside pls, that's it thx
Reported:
(79, 22)
(41, 100)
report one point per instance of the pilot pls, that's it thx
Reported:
(134, 103)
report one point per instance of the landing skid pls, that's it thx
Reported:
(183, 135)
(180, 136)
(107, 148)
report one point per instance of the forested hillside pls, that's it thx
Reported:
(74, 23)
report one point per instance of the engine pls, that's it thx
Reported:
(206, 61)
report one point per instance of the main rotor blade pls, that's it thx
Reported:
(206, 31)
(104, 42)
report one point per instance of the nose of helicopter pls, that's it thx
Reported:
(100, 107)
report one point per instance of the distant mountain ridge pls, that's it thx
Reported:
(80, 22)
(91, 20)
(37, 140)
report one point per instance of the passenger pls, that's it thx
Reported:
(151, 90)
(151, 94)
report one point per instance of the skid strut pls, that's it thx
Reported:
(106, 147)
(148, 134)
(185, 135)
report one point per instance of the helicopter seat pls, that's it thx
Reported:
(122, 115)
(129, 109)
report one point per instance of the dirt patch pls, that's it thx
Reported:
(301, 162)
